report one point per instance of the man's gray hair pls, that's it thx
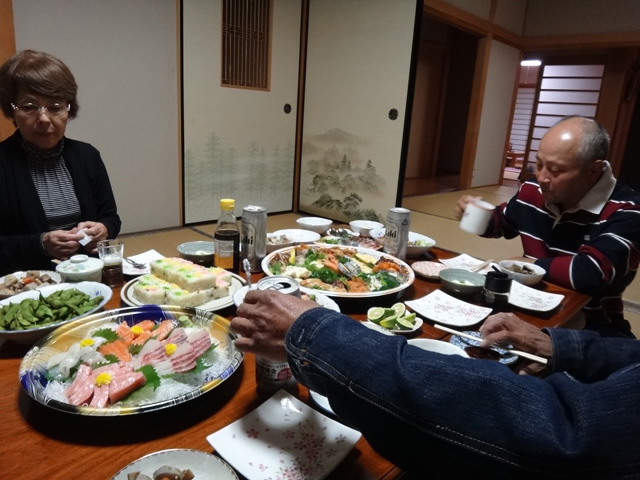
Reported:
(594, 143)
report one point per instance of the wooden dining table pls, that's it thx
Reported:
(44, 443)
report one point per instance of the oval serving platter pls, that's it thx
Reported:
(33, 367)
(407, 279)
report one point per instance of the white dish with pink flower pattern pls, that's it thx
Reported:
(284, 438)
(532, 298)
(448, 310)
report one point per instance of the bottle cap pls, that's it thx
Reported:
(227, 204)
(497, 282)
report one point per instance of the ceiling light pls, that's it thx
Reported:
(530, 63)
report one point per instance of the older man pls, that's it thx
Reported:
(576, 221)
(470, 418)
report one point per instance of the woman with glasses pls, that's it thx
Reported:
(55, 192)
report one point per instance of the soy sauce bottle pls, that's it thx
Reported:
(227, 238)
(495, 293)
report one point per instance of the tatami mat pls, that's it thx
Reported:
(444, 204)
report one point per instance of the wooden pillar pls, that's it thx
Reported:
(7, 48)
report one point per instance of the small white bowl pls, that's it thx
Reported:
(509, 267)
(437, 346)
(315, 224)
(200, 252)
(81, 268)
(458, 281)
(364, 227)
(417, 250)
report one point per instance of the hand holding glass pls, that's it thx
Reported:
(476, 216)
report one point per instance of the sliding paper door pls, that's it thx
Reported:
(358, 65)
(239, 138)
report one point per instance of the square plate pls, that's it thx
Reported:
(284, 438)
(467, 262)
(146, 258)
(445, 309)
(532, 298)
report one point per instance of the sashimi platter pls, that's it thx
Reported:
(130, 360)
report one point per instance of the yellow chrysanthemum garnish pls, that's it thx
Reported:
(170, 348)
(102, 379)
(136, 330)
(87, 342)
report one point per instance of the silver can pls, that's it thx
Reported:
(286, 285)
(272, 376)
(254, 235)
(396, 236)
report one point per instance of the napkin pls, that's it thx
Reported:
(146, 257)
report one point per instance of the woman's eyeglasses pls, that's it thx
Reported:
(31, 109)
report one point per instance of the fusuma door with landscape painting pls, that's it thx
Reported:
(240, 81)
(357, 78)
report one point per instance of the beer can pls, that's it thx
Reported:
(254, 235)
(396, 236)
(272, 376)
(286, 285)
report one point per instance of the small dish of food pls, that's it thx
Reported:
(461, 282)
(200, 252)
(522, 272)
(19, 282)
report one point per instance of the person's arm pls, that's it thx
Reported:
(588, 356)
(605, 257)
(407, 401)
(93, 189)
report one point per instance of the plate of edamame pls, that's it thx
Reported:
(29, 316)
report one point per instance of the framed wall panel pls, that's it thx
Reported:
(357, 78)
(238, 142)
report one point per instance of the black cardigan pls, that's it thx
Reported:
(22, 218)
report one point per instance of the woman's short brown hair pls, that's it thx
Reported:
(40, 73)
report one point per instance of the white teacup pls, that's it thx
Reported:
(476, 216)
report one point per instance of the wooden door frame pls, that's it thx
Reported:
(7, 49)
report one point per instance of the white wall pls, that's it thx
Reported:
(496, 110)
(124, 56)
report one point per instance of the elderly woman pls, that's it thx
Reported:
(54, 190)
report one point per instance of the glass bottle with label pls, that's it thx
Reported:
(227, 238)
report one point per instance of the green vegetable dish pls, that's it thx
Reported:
(41, 311)
(341, 269)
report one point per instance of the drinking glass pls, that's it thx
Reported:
(111, 253)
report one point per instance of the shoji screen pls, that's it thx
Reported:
(564, 90)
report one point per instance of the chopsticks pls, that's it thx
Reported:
(520, 353)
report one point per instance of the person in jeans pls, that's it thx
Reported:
(576, 221)
(446, 416)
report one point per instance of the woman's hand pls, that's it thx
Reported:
(97, 231)
(507, 328)
(461, 204)
(61, 244)
(263, 320)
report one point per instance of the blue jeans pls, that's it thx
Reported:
(438, 416)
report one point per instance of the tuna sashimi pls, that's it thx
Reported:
(122, 385)
(100, 397)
